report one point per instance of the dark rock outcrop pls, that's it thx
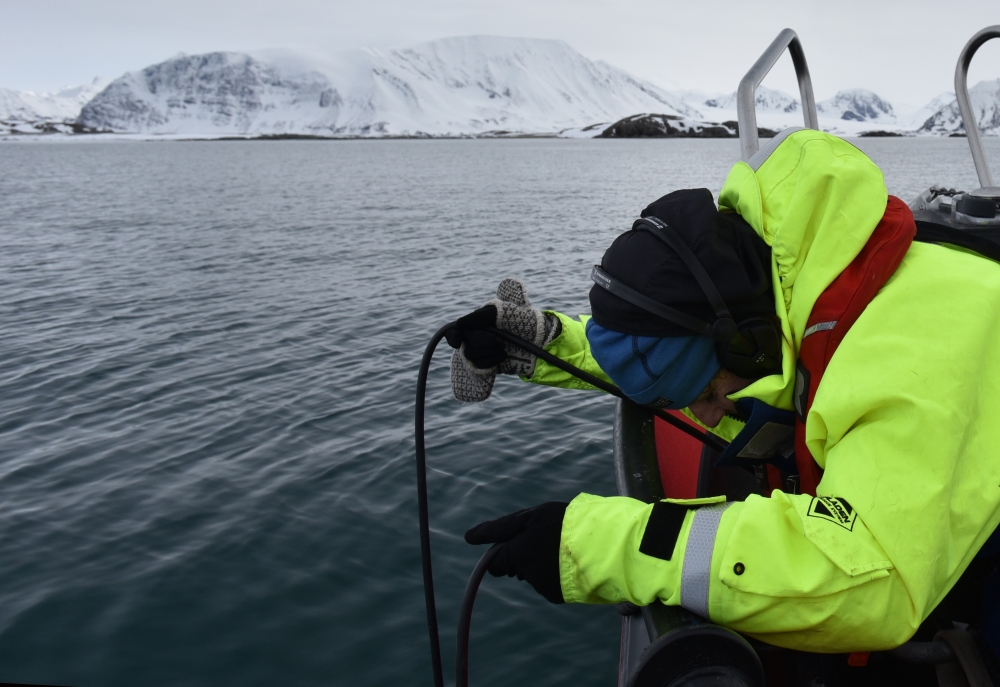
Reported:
(665, 126)
(674, 126)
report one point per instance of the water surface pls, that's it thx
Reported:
(208, 354)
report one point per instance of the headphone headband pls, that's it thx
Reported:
(723, 329)
(750, 350)
(657, 228)
(626, 293)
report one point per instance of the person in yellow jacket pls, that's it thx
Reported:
(904, 425)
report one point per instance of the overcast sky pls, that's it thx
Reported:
(904, 51)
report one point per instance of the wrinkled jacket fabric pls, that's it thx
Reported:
(904, 422)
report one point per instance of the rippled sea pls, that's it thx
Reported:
(208, 354)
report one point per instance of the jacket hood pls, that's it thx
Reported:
(815, 199)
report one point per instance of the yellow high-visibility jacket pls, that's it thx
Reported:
(906, 424)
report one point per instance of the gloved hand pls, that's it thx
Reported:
(531, 546)
(481, 355)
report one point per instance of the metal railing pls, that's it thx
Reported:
(965, 103)
(746, 111)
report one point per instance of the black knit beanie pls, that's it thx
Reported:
(737, 260)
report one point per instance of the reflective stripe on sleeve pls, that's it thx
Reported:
(698, 558)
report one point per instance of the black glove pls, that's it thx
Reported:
(482, 349)
(530, 547)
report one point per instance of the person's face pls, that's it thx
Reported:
(712, 405)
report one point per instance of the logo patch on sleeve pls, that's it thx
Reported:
(834, 509)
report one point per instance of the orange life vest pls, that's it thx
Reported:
(836, 310)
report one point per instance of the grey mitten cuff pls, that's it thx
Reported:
(515, 315)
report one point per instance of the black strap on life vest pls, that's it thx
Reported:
(931, 232)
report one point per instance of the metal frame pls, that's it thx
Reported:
(965, 104)
(746, 111)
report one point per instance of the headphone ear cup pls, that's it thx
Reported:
(755, 352)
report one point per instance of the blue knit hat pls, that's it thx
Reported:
(667, 372)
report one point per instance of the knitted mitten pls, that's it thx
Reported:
(514, 314)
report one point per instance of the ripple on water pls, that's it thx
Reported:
(209, 359)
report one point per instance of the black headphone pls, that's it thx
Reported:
(750, 349)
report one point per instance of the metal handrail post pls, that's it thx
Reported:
(746, 112)
(965, 103)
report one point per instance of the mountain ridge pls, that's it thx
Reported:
(459, 86)
(29, 112)
(859, 105)
(985, 100)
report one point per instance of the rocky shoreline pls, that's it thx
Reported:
(647, 125)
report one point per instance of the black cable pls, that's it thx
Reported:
(703, 437)
(425, 531)
(465, 617)
(425, 527)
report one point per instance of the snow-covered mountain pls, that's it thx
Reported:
(214, 93)
(914, 118)
(455, 86)
(857, 105)
(775, 109)
(985, 97)
(28, 112)
(858, 111)
(847, 113)
(469, 86)
(853, 112)
(766, 99)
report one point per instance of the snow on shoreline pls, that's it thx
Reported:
(477, 86)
